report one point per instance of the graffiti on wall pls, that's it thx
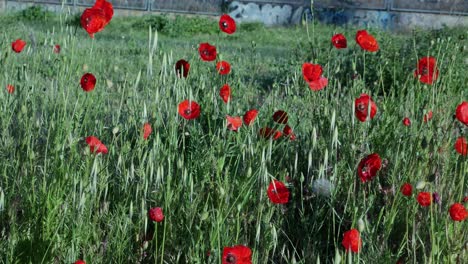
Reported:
(365, 18)
(269, 14)
(375, 4)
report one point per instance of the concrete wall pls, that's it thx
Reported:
(340, 12)
(389, 19)
(343, 12)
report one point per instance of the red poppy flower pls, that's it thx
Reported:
(189, 109)
(88, 81)
(239, 254)
(311, 72)
(207, 52)
(458, 212)
(278, 193)
(318, 85)
(93, 20)
(280, 117)
(406, 189)
(465, 199)
(462, 113)
(267, 132)
(361, 107)
(427, 116)
(461, 146)
(10, 88)
(233, 123)
(147, 130)
(95, 145)
(223, 67)
(424, 199)
(182, 68)
(352, 240)
(18, 45)
(427, 71)
(406, 121)
(249, 116)
(57, 49)
(339, 41)
(369, 166)
(156, 214)
(79, 262)
(225, 93)
(96, 18)
(287, 131)
(227, 24)
(366, 41)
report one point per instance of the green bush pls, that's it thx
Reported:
(36, 13)
(158, 22)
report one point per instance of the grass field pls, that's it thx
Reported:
(60, 203)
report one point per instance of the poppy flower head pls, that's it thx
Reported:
(406, 121)
(461, 113)
(182, 68)
(225, 93)
(18, 45)
(461, 146)
(10, 89)
(311, 72)
(280, 117)
(223, 67)
(106, 7)
(234, 123)
(57, 49)
(189, 109)
(366, 41)
(288, 132)
(147, 130)
(339, 41)
(96, 18)
(88, 82)
(406, 189)
(249, 116)
(319, 84)
(361, 107)
(352, 240)
(207, 52)
(95, 145)
(227, 24)
(369, 166)
(458, 212)
(427, 71)
(79, 262)
(424, 199)
(267, 132)
(156, 214)
(239, 254)
(278, 193)
(427, 116)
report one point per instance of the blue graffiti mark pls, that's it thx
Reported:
(340, 17)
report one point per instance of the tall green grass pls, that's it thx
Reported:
(58, 202)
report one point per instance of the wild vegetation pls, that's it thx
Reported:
(60, 202)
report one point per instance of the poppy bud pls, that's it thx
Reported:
(420, 185)
(361, 225)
